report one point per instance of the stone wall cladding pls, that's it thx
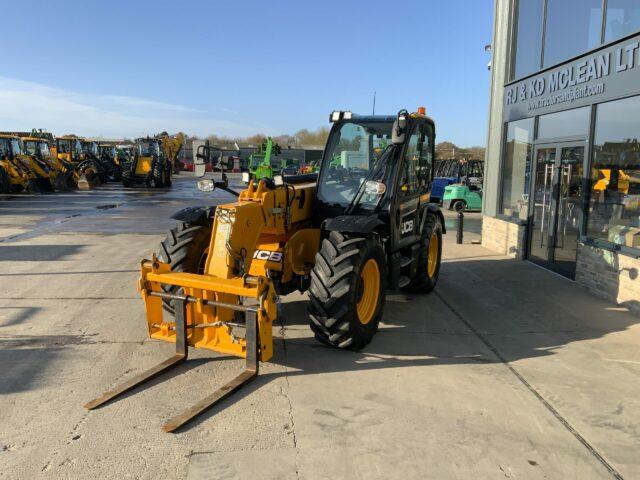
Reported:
(611, 275)
(503, 237)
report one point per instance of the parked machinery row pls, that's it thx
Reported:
(37, 162)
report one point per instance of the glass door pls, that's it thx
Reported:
(557, 206)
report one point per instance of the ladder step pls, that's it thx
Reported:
(405, 261)
(404, 281)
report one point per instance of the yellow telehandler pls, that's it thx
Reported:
(363, 224)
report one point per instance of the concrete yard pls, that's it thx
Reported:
(505, 371)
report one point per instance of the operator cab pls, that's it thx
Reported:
(378, 166)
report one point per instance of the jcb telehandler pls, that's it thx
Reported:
(151, 163)
(344, 235)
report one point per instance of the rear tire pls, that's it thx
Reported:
(459, 206)
(5, 182)
(185, 249)
(347, 291)
(429, 258)
(157, 175)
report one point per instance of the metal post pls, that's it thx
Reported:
(460, 233)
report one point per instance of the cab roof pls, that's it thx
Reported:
(34, 139)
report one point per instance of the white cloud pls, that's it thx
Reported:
(26, 105)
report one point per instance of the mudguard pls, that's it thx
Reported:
(194, 214)
(435, 209)
(353, 224)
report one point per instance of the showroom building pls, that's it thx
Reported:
(562, 174)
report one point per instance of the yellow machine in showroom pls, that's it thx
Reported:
(345, 235)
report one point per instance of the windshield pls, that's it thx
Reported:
(30, 147)
(352, 151)
(148, 149)
(44, 149)
(15, 146)
(90, 147)
(64, 146)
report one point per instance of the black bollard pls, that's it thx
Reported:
(460, 232)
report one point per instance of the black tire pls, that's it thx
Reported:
(167, 177)
(5, 182)
(157, 175)
(184, 248)
(336, 288)
(459, 206)
(423, 281)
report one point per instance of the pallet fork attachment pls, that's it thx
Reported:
(181, 328)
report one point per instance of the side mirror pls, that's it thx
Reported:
(399, 128)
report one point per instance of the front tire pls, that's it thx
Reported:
(429, 258)
(185, 250)
(347, 291)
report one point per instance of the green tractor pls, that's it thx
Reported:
(260, 162)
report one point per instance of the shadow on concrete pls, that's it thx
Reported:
(86, 272)
(16, 315)
(38, 253)
(489, 311)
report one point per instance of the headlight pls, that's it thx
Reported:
(278, 180)
(206, 185)
(246, 176)
(374, 188)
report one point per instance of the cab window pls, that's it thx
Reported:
(417, 160)
(5, 149)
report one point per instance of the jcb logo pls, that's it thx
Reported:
(407, 227)
(268, 256)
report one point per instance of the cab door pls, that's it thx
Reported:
(414, 182)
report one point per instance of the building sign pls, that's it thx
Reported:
(604, 75)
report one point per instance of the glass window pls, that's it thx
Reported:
(516, 169)
(30, 147)
(44, 149)
(354, 148)
(416, 166)
(623, 18)
(15, 146)
(614, 208)
(5, 149)
(570, 123)
(573, 27)
(528, 37)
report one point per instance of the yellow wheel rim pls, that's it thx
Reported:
(369, 290)
(432, 256)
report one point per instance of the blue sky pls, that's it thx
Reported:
(127, 68)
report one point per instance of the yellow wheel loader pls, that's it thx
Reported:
(22, 171)
(152, 160)
(345, 235)
(79, 155)
(60, 176)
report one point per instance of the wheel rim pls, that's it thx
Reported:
(369, 291)
(432, 256)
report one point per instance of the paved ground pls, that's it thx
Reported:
(506, 371)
